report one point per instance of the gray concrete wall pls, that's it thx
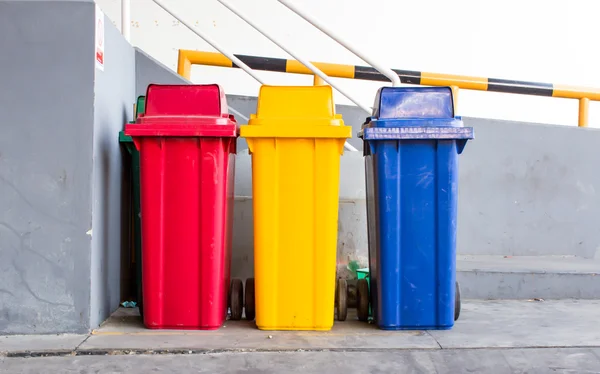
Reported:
(61, 231)
(113, 107)
(46, 122)
(530, 189)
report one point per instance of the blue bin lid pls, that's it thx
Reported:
(414, 113)
(413, 102)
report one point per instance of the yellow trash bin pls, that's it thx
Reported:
(296, 141)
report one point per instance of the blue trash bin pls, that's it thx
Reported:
(411, 148)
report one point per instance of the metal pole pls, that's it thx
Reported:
(317, 81)
(126, 19)
(584, 112)
(455, 91)
(389, 73)
(210, 41)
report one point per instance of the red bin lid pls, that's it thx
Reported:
(184, 110)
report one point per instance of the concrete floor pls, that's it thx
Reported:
(491, 337)
(542, 361)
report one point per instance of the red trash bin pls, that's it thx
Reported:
(187, 144)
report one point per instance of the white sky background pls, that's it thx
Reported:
(553, 41)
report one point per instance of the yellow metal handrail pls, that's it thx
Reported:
(187, 58)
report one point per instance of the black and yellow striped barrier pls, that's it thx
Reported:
(188, 58)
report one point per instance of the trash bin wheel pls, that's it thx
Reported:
(342, 300)
(140, 301)
(249, 299)
(236, 299)
(362, 299)
(457, 302)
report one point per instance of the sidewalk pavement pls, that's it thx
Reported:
(491, 336)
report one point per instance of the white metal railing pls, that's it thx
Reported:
(210, 41)
(390, 74)
(304, 62)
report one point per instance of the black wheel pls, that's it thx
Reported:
(342, 301)
(373, 297)
(362, 300)
(457, 302)
(249, 299)
(236, 299)
(139, 288)
(140, 302)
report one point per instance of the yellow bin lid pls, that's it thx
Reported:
(296, 112)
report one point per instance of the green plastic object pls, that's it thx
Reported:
(363, 273)
(127, 141)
